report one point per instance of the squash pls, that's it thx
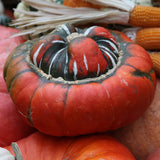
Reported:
(94, 147)
(149, 39)
(79, 81)
(142, 137)
(12, 128)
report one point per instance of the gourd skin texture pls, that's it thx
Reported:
(92, 147)
(80, 106)
(12, 128)
(144, 132)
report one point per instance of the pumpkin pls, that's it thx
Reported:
(142, 137)
(79, 81)
(12, 128)
(92, 147)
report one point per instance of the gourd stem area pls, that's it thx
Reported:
(16, 151)
(75, 54)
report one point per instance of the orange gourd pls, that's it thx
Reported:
(94, 147)
(12, 128)
(149, 39)
(142, 136)
(73, 91)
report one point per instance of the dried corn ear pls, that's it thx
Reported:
(145, 16)
(149, 38)
(155, 56)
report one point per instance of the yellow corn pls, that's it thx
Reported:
(145, 16)
(155, 56)
(148, 38)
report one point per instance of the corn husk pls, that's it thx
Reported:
(49, 15)
(143, 2)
